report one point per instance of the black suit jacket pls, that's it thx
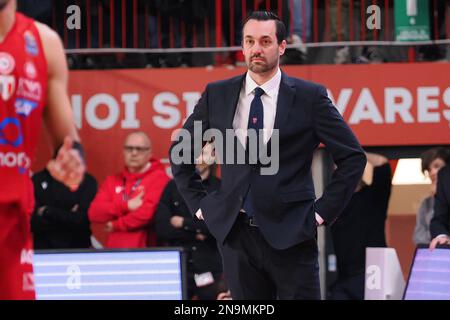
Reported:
(283, 203)
(440, 223)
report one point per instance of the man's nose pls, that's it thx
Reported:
(256, 49)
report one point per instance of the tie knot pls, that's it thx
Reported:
(259, 92)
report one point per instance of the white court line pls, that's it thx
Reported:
(108, 294)
(105, 262)
(104, 284)
(433, 270)
(427, 293)
(105, 273)
(412, 280)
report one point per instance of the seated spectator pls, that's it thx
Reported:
(127, 201)
(432, 161)
(175, 226)
(60, 219)
(361, 225)
(440, 223)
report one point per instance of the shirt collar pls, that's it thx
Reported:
(270, 87)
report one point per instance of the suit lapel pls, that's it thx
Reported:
(285, 101)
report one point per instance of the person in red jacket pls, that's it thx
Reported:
(127, 201)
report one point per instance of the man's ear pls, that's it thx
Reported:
(282, 47)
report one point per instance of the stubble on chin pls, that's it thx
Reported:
(258, 68)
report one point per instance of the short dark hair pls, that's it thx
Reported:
(432, 154)
(264, 16)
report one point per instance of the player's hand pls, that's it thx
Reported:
(439, 240)
(68, 167)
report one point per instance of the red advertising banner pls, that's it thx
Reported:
(385, 104)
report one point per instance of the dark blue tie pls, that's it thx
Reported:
(256, 122)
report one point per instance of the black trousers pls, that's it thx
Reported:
(256, 271)
(348, 288)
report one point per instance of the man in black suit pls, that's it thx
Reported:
(266, 224)
(440, 223)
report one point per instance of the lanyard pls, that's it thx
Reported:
(126, 196)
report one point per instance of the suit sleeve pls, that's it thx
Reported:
(137, 219)
(441, 218)
(105, 206)
(188, 181)
(336, 135)
(75, 219)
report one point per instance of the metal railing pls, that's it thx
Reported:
(168, 26)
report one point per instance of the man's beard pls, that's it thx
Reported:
(260, 67)
(3, 4)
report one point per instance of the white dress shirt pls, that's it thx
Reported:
(269, 100)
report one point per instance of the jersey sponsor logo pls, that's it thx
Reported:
(26, 256)
(30, 69)
(18, 160)
(10, 132)
(29, 89)
(28, 281)
(31, 46)
(7, 63)
(7, 86)
(11, 135)
(24, 107)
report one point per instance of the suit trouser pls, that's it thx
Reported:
(348, 288)
(255, 270)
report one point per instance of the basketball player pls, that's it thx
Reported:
(33, 86)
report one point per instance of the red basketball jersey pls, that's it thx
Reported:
(23, 87)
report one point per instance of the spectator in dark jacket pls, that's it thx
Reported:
(175, 226)
(60, 220)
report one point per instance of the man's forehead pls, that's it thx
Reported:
(137, 139)
(257, 28)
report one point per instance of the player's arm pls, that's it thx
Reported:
(58, 115)
(68, 167)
